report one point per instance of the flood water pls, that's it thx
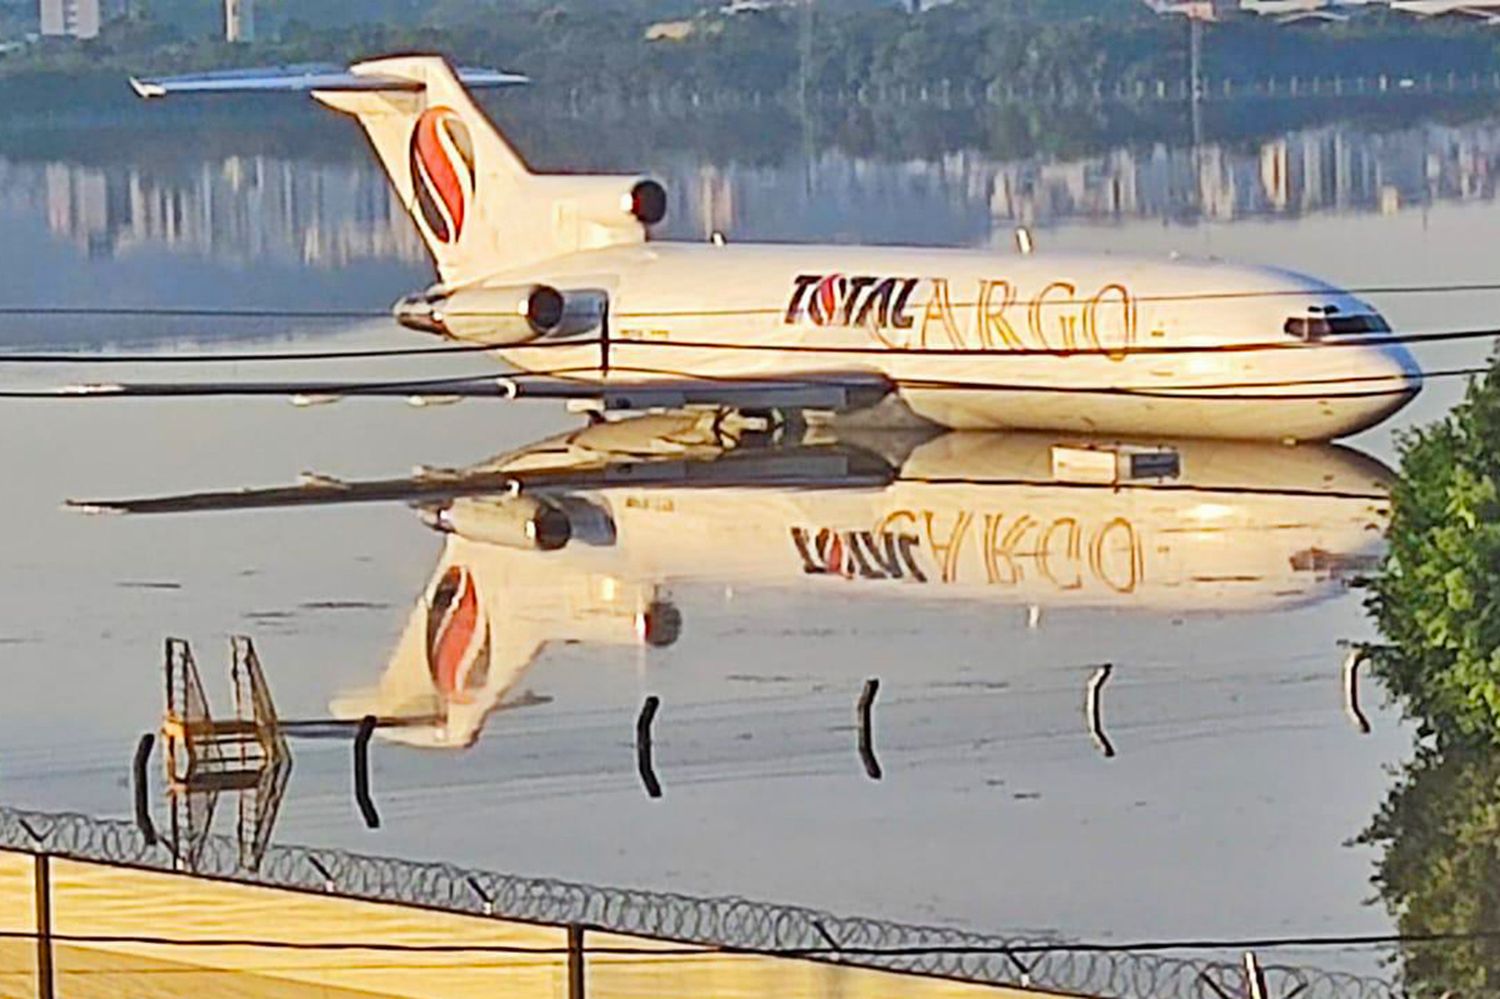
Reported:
(1237, 782)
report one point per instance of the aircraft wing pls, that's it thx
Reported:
(778, 468)
(833, 392)
(303, 78)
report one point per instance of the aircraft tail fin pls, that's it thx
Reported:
(452, 169)
(478, 206)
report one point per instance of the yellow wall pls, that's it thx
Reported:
(732, 976)
(96, 900)
(17, 915)
(91, 973)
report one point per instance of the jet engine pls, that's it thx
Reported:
(503, 316)
(603, 199)
(588, 212)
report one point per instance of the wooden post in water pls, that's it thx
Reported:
(863, 713)
(142, 788)
(362, 797)
(645, 762)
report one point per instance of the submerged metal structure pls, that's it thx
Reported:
(245, 755)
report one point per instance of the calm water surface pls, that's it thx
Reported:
(1238, 782)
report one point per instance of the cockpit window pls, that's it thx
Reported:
(1316, 326)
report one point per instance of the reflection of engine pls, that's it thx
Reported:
(525, 521)
(510, 522)
(504, 315)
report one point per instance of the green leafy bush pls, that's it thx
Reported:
(1437, 602)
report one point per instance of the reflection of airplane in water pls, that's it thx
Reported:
(576, 538)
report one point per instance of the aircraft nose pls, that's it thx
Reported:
(1393, 377)
(1400, 364)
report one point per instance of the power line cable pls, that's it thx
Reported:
(873, 350)
(187, 312)
(499, 385)
(1308, 942)
(55, 311)
(248, 312)
(882, 350)
(1450, 288)
(226, 357)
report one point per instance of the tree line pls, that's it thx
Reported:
(853, 49)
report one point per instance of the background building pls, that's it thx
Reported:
(1486, 11)
(1204, 10)
(1482, 10)
(78, 18)
(239, 20)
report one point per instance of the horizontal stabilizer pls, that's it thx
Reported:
(303, 391)
(304, 78)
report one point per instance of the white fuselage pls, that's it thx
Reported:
(978, 340)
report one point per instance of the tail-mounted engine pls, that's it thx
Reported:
(503, 316)
(585, 212)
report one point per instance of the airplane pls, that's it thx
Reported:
(1486, 11)
(558, 274)
(581, 537)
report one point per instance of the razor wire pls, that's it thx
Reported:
(728, 923)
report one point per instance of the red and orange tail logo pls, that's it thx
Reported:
(458, 637)
(442, 171)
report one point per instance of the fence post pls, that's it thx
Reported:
(577, 984)
(43, 884)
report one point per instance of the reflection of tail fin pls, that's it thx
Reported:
(454, 665)
(478, 206)
(482, 622)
